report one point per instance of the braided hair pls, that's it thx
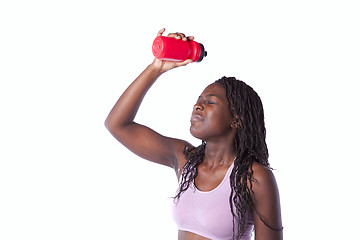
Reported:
(246, 107)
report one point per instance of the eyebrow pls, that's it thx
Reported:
(211, 95)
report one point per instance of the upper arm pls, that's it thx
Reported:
(267, 212)
(151, 145)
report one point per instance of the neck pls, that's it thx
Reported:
(219, 154)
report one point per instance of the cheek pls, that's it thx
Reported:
(218, 123)
(219, 118)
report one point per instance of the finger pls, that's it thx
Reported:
(181, 36)
(161, 32)
(178, 35)
(174, 35)
(184, 63)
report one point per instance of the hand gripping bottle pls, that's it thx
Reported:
(168, 48)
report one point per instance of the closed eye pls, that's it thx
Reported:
(209, 99)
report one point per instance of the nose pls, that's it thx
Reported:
(198, 107)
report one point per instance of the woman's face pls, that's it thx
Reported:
(210, 119)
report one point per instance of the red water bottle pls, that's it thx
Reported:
(168, 48)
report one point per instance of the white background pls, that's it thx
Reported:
(63, 64)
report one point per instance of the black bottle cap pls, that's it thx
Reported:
(203, 53)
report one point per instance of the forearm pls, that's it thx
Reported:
(125, 109)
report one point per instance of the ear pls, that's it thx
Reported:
(236, 123)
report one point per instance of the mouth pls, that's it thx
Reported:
(195, 117)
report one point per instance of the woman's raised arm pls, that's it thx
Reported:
(140, 139)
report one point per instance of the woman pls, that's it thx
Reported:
(226, 185)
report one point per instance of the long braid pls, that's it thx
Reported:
(194, 157)
(245, 105)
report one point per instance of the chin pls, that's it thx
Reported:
(197, 134)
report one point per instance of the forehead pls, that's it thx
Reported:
(214, 89)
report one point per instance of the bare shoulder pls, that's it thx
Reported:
(263, 175)
(264, 186)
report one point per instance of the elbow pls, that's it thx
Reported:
(110, 126)
(106, 124)
(116, 128)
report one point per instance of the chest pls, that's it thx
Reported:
(208, 180)
(206, 208)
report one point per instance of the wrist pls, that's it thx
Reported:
(158, 66)
(154, 71)
(154, 68)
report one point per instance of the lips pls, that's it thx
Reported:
(195, 117)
